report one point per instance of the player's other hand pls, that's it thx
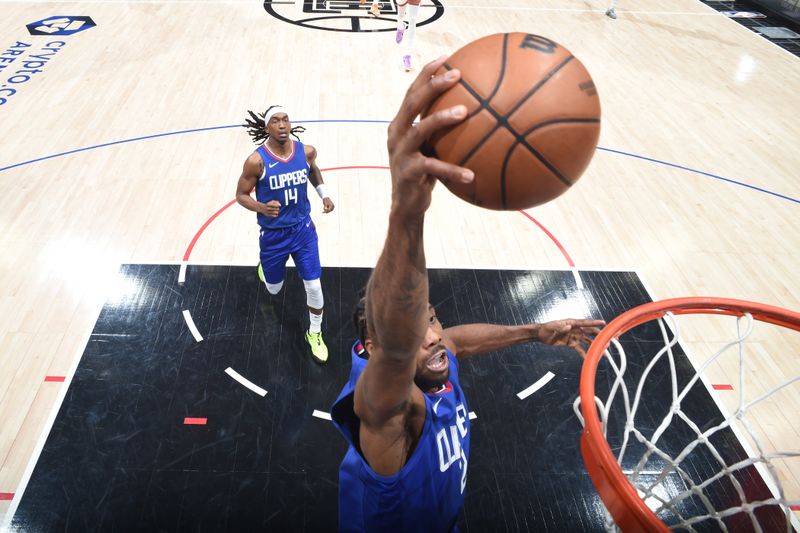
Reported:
(327, 205)
(272, 208)
(573, 333)
(414, 174)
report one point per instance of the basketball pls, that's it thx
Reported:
(533, 120)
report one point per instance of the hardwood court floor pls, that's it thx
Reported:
(679, 84)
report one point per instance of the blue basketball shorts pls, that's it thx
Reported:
(300, 241)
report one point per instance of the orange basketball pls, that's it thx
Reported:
(533, 122)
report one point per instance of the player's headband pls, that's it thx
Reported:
(274, 111)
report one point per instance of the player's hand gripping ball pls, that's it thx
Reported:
(533, 120)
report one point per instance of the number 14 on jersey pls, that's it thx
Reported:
(290, 195)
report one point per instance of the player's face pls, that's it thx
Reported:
(433, 367)
(279, 126)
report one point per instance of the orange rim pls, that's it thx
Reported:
(620, 497)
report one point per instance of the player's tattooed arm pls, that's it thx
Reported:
(397, 294)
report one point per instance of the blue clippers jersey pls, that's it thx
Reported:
(427, 494)
(284, 180)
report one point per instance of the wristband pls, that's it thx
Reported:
(322, 191)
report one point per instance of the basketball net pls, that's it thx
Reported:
(660, 488)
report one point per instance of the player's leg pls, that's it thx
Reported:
(413, 10)
(306, 259)
(375, 8)
(274, 254)
(315, 302)
(401, 25)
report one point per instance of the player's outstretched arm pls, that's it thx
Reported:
(474, 339)
(397, 293)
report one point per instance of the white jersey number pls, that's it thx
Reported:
(449, 444)
(290, 195)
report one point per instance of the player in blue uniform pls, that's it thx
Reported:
(403, 411)
(279, 170)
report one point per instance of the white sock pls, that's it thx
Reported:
(401, 11)
(316, 322)
(408, 38)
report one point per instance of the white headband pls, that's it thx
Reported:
(274, 111)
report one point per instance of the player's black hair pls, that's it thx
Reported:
(257, 128)
(360, 316)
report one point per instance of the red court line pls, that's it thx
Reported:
(6, 496)
(195, 421)
(722, 386)
(226, 206)
(189, 249)
(794, 507)
(203, 228)
(570, 262)
(58, 379)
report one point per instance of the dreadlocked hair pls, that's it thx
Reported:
(257, 127)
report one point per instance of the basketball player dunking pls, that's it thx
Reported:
(402, 411)
(279, 170)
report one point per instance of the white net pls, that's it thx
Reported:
(697, 468)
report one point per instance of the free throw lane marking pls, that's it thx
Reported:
(187, 316)
(246, 382)
(182, 273)
(541, 382)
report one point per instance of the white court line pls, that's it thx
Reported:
(182, 273)
(536, 386)
(189, 322)
(321, 414)
(472, 415)
(246, 382)
(577, 275)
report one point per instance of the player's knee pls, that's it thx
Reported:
(274, 288)
(314, 297)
